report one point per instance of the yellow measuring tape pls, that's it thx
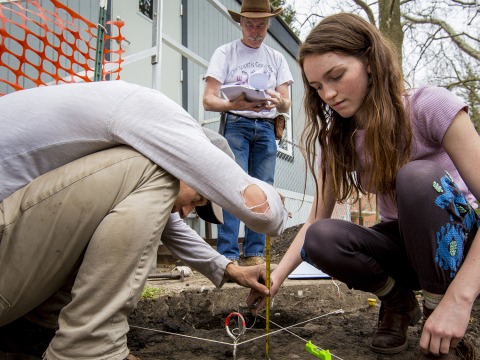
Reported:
(267, 304)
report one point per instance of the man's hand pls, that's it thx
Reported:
(259, 299)
(241, 103)
(276, 100)
(252, 277)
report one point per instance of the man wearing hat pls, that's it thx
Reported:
(249, 125)
(82, 215)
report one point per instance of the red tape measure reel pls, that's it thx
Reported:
(236, 332)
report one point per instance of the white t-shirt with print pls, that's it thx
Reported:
(234, 63)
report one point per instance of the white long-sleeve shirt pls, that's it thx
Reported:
(44, 128)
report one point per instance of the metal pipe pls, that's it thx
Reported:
(169, 275)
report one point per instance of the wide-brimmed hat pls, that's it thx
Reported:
(255, 9)
(212, 212)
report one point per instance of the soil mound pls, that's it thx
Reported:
(187, 320)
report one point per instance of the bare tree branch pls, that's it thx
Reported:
(424, 47)
(465, 3)
(308, 19)
(449, 30)
(368, 10)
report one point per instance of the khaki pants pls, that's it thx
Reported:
(98, 221)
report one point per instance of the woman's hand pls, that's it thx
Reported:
(258, 299)
(445, 327)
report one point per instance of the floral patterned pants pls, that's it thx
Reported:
(423, 249)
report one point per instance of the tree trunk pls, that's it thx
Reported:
(390, 24)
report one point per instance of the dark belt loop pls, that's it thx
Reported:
(2, 220)
(223, 120)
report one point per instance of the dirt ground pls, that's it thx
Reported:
(187, 321)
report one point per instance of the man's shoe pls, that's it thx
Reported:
(399, 310)
(463, 351)
(252, 261)
(24, 338)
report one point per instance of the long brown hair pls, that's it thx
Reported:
(388, 132)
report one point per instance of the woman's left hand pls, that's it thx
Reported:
(445, 327)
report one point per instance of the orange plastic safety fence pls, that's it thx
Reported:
(51, 44)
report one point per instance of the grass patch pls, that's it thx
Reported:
(150, 292)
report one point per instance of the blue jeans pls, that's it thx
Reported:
(253, 143)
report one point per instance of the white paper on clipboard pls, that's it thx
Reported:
(307, 271)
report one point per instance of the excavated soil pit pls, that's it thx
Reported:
(194, 312)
